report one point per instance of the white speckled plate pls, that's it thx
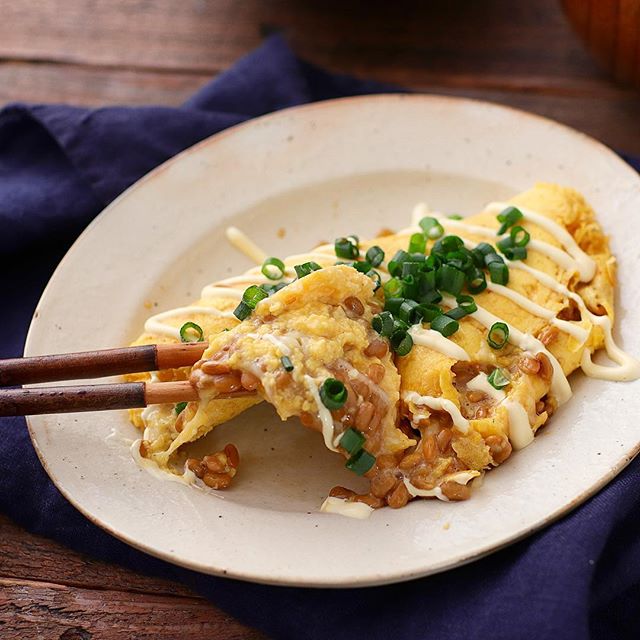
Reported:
(352, 165)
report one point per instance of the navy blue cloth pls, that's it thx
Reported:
(59, 166)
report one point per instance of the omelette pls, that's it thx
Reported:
(424, 357)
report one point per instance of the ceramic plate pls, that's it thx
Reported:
(353, 165)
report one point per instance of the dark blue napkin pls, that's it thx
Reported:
(59, 166)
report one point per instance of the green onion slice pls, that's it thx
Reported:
(401, 342)
(409, 312)
(286, 363)
(466, 306)
(519, 236)
(242, 311)
(382, 323)
(392, 288)
(455, 216)
(450, 279)
(508, 217)
(395, 264)
(431, 228)
(499, 273)
(498, 335)
(375, 276)
(306, 268)
(253, 294)
(497, 379)
(186, 332)
(393, 305)
(485, 248)
(180, 407)
(417, 243)
(273, 268)
(361, 462)
(347, 247)
(352, 441)
(445, 325)
(270, 289)
(516, 253)
(447, 245)
(476, 280)
(429, 311)
(333, 394)
(375, 256)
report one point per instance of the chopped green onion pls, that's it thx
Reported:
(286, 363)
(190, 327)
(375, 276)
(485, 248)
(392, 288)
(493, 257)
(450, 279)
(409, 312)
(417, 243)
(411, 269)
(361, 462)
(273, 268)
(429, 311)
(352, 440)
(476, 280)
(508, 217)
(467, 303)
(430, 297)
(410, 287)
(505, 244)
(456, 313)
(448, 244)
(499, 273)
(445, 325)
(347, 247)
(333, 394)
(180, 407)
(270, 289)
(242, 311)
(401, 342)
(395, 264)
(362, 267)
(498, 335)
(516, 253)
(431, 228)
(497, 379)
(375, 256)
(382, 323)
(253, 294)
(519, 236)
(455, 216)
(393, 305)
(305, 269)
(399, 325)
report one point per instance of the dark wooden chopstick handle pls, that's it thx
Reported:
(29, 402)
(96, 364)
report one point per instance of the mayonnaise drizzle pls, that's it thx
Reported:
(155, 325)
(279, 344)
(243, 243)
(481, 383)
(586, 264)
(520, 432)
(526, 342)
(212, 291)
(323, 413)
(439, 404)
(436, 341)
(461, 477)
(358, 510)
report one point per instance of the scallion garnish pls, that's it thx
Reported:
(401, 342)
(409, 312)
(417, 243)
(498, 335)
(382, 323)
(395, 264)
(286, 363)
(180, 407)
(429, 311)
(306, 268)
(508, 217)
(273, 268)
(476, 280)
(516, 253)
(347, 247)
(242, 311)
(519, 236)
(187, 330)
(431, 228)
(392, 288)
(445, 325)
(361, 462)
(375, 276)
(497, 379)
(333, 394)
(455, 216)
(450, 279)
(499, 273)
(467, 303)
(352, 441)
(253, 294)
(374, 256)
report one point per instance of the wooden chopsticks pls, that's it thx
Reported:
(93, 364)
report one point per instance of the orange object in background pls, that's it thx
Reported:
(611, 31)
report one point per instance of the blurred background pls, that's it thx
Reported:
(523, 54)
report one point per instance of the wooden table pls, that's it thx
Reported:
(138, 52)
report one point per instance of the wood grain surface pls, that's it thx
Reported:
(523, 54)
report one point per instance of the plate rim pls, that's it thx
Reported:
(462, 558)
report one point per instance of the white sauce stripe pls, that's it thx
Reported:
(436, 341)
(155, 323)
(439, 404)
(586, 265)
(323, 413)
(244, 244)
(481, 383)
(520, 432)
(357, 510)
